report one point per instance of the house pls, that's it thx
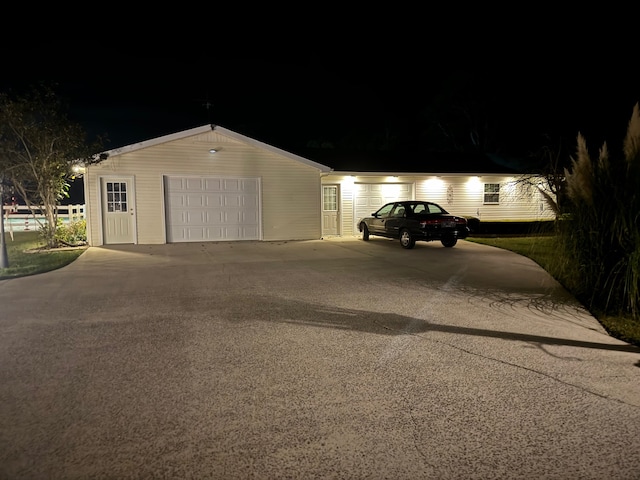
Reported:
(471, 186)
(212, 184)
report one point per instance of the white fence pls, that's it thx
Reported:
(19, 218)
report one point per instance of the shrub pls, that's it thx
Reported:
(71, 234)
(601, 234)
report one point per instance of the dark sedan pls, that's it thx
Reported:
(414, 220)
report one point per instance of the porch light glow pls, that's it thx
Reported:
(474, 184)
(434, 185)
(349, 181)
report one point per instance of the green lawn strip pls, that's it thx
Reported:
(26, 255)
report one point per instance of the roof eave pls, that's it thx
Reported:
(159, 140)
(271, 148)
(207, 128)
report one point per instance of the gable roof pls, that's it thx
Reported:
(329, 160)
(223, 131)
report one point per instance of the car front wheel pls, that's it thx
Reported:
(365, 232)
(406, 239)
(449, 242)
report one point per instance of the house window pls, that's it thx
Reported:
(330, 198)
(116, 197)
(491, 193)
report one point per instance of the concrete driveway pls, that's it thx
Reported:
(334, 358)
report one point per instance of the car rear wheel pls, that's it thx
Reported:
(406, 239)
(365, 232)
(449, 242)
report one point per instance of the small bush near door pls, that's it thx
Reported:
(70, 234)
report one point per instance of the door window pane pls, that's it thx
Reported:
(330, 198)
(116, 196)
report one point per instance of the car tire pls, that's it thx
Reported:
(407, 240)
(365, 232)
(449, 242)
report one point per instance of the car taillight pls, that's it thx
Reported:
(425, 223)
(443, 222)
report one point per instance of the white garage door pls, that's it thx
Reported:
(368, 197)
(212, 209)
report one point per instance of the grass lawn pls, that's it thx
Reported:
(25, 258)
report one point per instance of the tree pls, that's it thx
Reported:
(457, 118)
(39, 150)
(545, 171)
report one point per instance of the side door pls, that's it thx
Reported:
(330, 211)
(117, 210)
(395, 220)
(378, 222)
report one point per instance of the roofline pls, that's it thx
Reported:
(158, 140)
(271, 148)
(208, 128)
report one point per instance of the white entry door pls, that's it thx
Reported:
(117, 210)
(330, 210)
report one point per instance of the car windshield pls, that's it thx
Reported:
(384, 210)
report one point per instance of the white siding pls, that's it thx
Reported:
(464, 195)
(459, 194)
(290, 189)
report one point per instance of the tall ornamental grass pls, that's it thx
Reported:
(601, 234)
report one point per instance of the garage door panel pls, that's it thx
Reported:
(212, 184)
(208, 217)
(234, 201)
(174, 183)
(196, 234)
(192, 200)
(212, 209)
(249, 218)
(371, 196)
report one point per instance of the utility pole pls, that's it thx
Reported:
(4, 259)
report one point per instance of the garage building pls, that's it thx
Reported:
(203, 184)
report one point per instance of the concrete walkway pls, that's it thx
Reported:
(328, 359)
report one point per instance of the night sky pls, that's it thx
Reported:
(347, 101)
